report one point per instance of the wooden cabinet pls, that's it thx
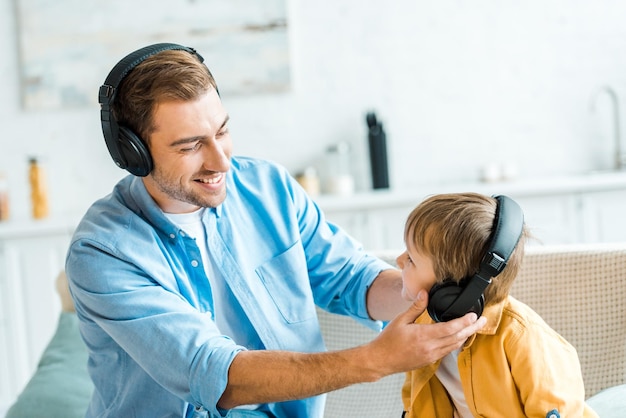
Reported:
(376, 229)
(31, 256)
(558, 211)
(553, 219)
(604, 216)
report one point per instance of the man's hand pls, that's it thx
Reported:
(404, 345)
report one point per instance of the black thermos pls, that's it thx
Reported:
(378, 152)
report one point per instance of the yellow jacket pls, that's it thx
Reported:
(517, 366)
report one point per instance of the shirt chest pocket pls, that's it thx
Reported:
(286, 280)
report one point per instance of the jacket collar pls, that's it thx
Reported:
(492, 312)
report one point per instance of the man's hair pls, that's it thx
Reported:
(454, 231)
(164, 76)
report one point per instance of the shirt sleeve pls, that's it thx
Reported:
(340, 270)
(138, 319)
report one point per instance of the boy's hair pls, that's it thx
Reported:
(454, 231)
(166, 75)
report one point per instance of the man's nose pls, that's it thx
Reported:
(215, 157)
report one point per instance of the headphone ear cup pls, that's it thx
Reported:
(443, 295)
(134, 152)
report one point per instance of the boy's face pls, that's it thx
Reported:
(417, 272)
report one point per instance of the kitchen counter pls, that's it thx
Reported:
(559, 210)
(584, 183)
(27, 228)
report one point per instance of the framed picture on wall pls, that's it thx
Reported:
(67, 47)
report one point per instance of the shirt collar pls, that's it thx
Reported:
(146, 207)
(492, 312)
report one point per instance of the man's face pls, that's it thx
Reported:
(191, 150)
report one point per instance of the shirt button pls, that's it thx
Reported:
(172, 236)
(194, 263)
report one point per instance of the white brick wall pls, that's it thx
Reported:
(456, 83)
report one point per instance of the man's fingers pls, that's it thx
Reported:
(461, 329)
(453, 334)
(417, 307)
(473, 328)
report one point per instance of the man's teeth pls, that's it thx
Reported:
(212, 180)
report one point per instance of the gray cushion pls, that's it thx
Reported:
(609, 403)
(60, 387)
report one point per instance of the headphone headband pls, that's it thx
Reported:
(108, 90)
(507, 230)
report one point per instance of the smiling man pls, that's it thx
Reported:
(196, 279)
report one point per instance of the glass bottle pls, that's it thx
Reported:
(4, 198)
(38, 189)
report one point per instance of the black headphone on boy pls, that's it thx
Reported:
(127, 149)
(449, 300)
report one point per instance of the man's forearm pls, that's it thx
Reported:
(384, 297)
(273, 376)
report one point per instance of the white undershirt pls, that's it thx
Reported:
(448, 375)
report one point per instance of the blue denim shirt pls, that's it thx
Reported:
(145, 303)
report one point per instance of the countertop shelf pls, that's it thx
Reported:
(25, 228)
(379, 199)
(584, 183)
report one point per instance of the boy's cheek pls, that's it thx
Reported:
(407, 294)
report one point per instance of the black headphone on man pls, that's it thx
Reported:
(127, 149)
(449, 300)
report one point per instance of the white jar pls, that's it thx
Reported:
(338, 175)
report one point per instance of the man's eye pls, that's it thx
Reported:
(195, 147)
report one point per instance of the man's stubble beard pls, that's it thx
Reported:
(183, 194)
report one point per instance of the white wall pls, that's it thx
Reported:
(456, 83)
